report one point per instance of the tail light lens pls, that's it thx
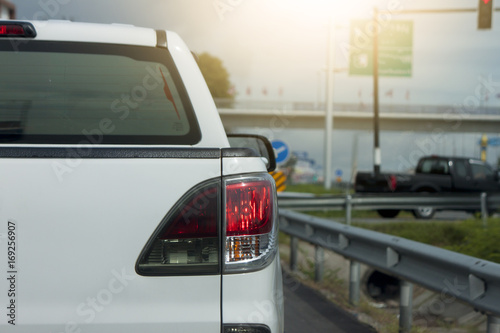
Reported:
(393, 182)
(17, 29)
(188, 241)
(11, 30)
(251, 223)
(249, 207)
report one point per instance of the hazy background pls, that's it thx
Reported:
(279, 46)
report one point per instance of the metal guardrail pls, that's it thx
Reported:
(472, 280)
(392, 201)
(480, 202)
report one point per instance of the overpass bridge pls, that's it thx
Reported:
(442, 121)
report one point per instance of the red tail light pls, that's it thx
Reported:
(249, 208)
(188, 239)
(17, 29)
(197, 218)
(11, 30)
(393, 182)
(251, 223)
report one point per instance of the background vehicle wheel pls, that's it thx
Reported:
(424, 213)
(388, 213)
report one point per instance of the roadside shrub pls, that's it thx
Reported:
(480, 242)
(467, 237)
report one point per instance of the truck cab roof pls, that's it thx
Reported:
(59, 30)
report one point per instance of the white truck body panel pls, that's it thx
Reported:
(74, 247)
(73, 225)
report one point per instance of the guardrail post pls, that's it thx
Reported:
(493, 324)
(319, 260)
(405, 306)
(354, 282)
(484, 209)
(348, 209)
(294, 245)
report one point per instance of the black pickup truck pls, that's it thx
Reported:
(433, 174)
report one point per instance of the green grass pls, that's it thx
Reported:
(467, 237)
(314, 189)
(337, 214)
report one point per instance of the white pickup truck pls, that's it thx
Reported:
(122, 206)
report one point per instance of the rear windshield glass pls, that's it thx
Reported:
(433, 166)
(80, 93)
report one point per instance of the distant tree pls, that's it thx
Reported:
(216, 76)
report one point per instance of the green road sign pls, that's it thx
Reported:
(395, 48)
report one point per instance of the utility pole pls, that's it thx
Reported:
(329, 107)
(485, 11)
(377, 156)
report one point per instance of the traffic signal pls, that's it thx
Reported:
(485, 14)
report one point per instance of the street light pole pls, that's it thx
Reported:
(329, 107)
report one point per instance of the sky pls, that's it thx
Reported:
(280, 46)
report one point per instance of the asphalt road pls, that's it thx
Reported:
(307, 311)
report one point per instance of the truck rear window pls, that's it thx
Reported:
(433, 166)
(82, 93)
